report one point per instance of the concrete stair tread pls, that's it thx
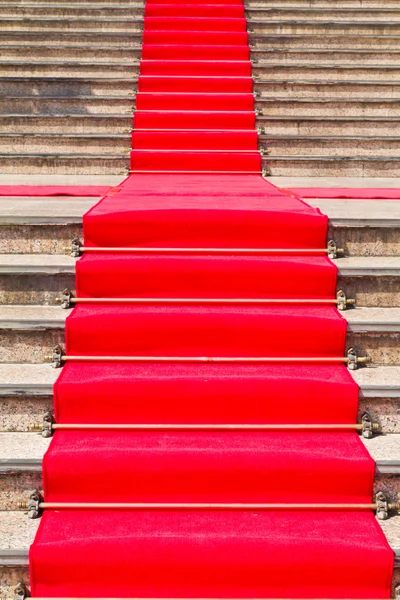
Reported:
(27, 210)
(31, 317)
(27, 379)
(18, 533)
(324, 100)
(53, 263)
(96, 136)
(325, 158)
(25, 450)
(262, 118)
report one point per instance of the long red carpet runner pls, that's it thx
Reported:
(196, 183)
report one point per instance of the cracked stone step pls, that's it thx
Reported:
(80, 164)
(19, 532)
(315, 56)
(27, 333)
(26, 394)
(353, 14)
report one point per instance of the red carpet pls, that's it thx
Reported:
(196, 184)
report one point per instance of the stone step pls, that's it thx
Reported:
(83, 124)
(316, 56)
(53, 38)
(342, 4)
(81, 145)
(28, 333)
(303, 71)
(77, 105)
(47, 225)
(19, 532)
(14, 68)
(326, 13)
(121, 3)
(59, 87)
(329, 107)
(83, 54)
(330, 146)
(21, 457)
(348, 90)
(26, 393)
(319, 27)
(329, 166)
(39, 278)
(33, 23)
(65, 11)
(338, 126)
(74, 164)
(332, 41)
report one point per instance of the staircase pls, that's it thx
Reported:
(327, 78)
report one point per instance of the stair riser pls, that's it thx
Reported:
(43, 164)
(89, 55)
(32, 24)
(80, 11)
(335, 108)
(324, 14)
(56, 145)
(33, 288)
(129, 70)
(331, 168)
(311, 3)
(52, 239)
(78, 124)
(324, 89)
(17, 487)
(88, 38)
(331, 147)
(323, 58)
(18, 413)
(330, 73)
(28, 346)
(321, 41)
(65, 87)
(67, 106)
(330, 127)
(315, 28)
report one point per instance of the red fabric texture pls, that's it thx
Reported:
(350, 193)
(191, 553)
(244, 554)
(164, 84)
(159, 393)
(53, 190)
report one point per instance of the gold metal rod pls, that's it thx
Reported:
(151, 250)
(160, 150)
(81, 598)
(207, 427)
(198, 172)
(212, 359)
(204, 506)
(204, 301)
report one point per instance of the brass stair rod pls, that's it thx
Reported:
(211, 359)
(207, 506)
(144, 250)
(211, 427)
(73, 300)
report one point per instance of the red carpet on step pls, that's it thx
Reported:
(196, 184)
